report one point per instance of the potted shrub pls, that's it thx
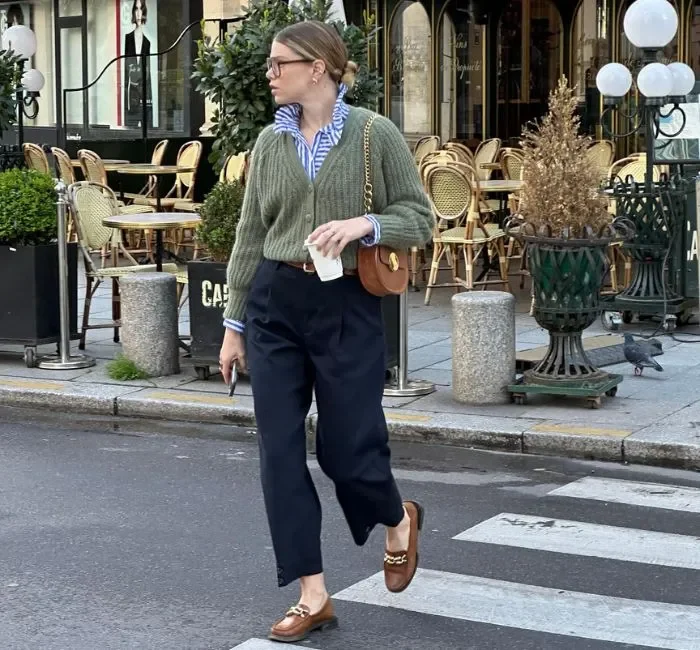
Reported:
(566, 229)
(208, 289)
(29, 305)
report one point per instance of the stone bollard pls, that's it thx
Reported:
(149, 331)
(483, 346)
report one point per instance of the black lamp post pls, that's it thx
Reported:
(21, 41)
(655, 208)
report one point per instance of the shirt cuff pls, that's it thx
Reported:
(234, 325)
(373, 238)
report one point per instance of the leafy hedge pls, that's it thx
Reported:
(27, 208)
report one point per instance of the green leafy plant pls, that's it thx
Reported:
(123, 369)
(220, 214)
(231, 73)
(27, 208)
(9, 80)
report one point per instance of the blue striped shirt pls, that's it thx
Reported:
(288, 120)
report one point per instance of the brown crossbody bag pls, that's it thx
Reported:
(383, 270)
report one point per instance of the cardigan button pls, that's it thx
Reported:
(308, 217)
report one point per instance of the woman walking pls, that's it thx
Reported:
(304, 335)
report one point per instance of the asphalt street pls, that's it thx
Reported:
(153, 538)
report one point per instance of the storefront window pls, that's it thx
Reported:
(409, 69)
(529, 62)
(38, 16)
(460, 77)
(590, 53)
(114, 102)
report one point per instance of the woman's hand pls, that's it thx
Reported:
(232, 349)
(332, 237)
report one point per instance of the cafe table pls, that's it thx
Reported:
(157, 221)
(110, 164)
(500, 186)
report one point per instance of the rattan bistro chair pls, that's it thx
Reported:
(455, 199)
(90, 203)
(35, 158)
(425, 145)
(601, 154)
(486, 152)
(189, 155)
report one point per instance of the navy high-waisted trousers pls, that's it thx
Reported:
(304, 335)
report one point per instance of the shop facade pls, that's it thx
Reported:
(88, 97)
(462, 69)
(470, 70)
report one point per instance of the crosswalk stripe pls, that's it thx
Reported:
(649, 495)
(540, 609)
(264, 644)
(580, 538)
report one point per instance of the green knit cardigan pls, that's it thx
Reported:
(282, 206)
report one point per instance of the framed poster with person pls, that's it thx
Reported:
(139, 36)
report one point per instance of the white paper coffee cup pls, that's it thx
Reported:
(327, 268)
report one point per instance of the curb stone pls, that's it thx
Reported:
(650, 445)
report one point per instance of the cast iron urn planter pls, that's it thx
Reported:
(657, 213)
(567, 275)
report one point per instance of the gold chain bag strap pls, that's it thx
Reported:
(383, 270)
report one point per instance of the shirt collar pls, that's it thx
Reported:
(287, 117)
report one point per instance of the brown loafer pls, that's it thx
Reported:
(304, 623)
(400, 567)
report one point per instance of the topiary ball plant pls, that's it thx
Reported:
(27, 208)
(220, 214)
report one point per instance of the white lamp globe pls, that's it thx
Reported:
(683, 79)
(21, 40)
(651, 23)
(32, 80)
(613, 80)
(655, 80)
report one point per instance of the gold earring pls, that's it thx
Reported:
(314, 80)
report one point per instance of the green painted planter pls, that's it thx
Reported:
(566, 283)
(567, 276)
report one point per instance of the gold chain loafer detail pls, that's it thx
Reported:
(400, 567)
(305, 622)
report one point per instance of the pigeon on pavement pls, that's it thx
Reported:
(638, 356)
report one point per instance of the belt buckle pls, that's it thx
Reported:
(307, 270)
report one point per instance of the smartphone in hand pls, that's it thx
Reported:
(234, 379)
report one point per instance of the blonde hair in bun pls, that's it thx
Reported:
(349, 73)
(314, 40)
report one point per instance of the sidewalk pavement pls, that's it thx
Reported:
(653, 419)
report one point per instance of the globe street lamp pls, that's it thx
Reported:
(649, 25)
(22, 42)
(655, 208)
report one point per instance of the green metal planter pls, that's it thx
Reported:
(658, 216)
(567, 276)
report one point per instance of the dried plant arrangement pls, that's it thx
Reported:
(560, 196)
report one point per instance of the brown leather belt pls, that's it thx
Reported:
(308, 267)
